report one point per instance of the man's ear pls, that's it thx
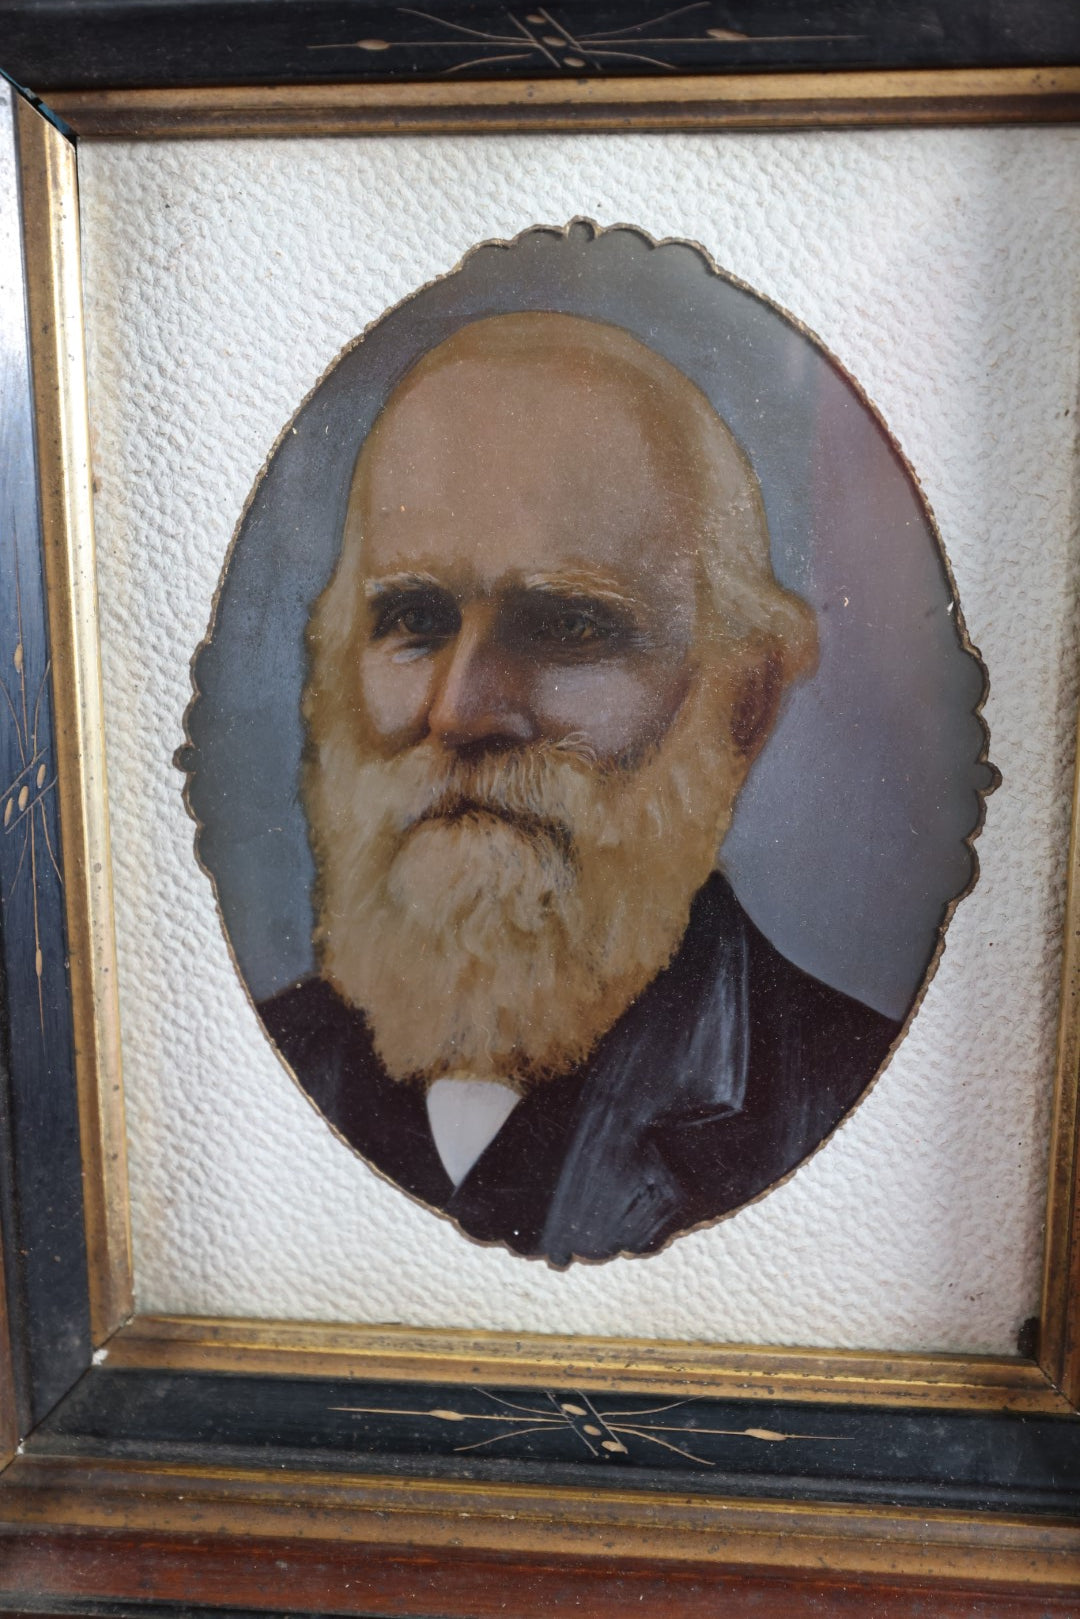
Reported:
(758, 688)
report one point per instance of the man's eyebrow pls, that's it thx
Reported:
(399, 583)
(577, 583)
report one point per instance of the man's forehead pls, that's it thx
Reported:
(470, 551)
(457, 411)
(531, 478)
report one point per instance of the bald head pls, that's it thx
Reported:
(560, 414)
(560, 501)
(554, 417)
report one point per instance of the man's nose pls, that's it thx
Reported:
(481, 695)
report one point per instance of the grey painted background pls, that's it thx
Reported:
(848, 842)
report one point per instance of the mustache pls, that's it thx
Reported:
(524, 789)
(458, 807)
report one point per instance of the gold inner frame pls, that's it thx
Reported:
(50, 219)
(1051, 1383)
(681, 102)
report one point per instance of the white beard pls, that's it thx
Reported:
(497, 918)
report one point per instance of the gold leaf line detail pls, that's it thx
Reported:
(22, 803)
(651, 1439)
(493, 1439)
(651, 22)
(450, 1416)
(604, 43)
(610, 1428)
(25, 804)
(48, 841)
(516, 1405)
(767, 1435)
(18, 730)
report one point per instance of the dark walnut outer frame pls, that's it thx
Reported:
(209, 1466)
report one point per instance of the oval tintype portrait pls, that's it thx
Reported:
(586, 748)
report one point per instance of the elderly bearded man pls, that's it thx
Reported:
(550, 652)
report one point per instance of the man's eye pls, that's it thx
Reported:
(419, 618)
(567, 624)
(418, 621)
(574, 627)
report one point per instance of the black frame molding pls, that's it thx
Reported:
(54, 45)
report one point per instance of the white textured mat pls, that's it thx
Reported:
(940, 267)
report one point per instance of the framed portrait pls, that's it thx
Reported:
(537, 865)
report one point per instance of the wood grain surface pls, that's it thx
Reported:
(100, 1572)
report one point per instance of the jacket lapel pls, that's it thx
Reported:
(679, 1056)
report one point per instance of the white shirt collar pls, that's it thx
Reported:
(465, 1116)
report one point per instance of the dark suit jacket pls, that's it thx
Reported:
(720, 1078)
